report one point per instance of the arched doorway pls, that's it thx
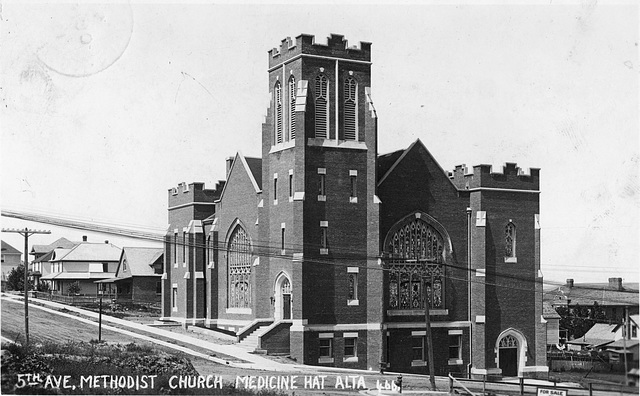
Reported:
(282, 297)
(511, 348)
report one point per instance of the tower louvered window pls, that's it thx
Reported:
(277, 98)
(292, 108)
(239, 269)
(322, 107)
(350, 109)
(416, 251)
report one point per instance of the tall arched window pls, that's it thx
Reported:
(239, 269)
(416, 266)
(322, 106)
(510, 240)
(277, 100)
(292, 108)
(350, 109)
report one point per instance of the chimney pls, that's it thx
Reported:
(615, 283)
(570, 283)
(229, 163)
(84, 238)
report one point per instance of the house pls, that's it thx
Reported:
(552, 320)
(612, 297)
(10, 260)
(84, 263)
(137, 278)
(326, 250)
(602, 335)
(42, 254)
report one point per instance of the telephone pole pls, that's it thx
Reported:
(26, 233)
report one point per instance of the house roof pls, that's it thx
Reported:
(87, 251)
(600, 333)
(140, 261)
(587, 293)
(622, 343)
(78, 275)
(549, 312)
(8, 249)
(386, 161)
(60, 243)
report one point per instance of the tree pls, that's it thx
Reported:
(577, 320)
(15, 280)
(74, 288)
(43, 286)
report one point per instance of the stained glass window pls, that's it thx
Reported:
(239, 269)
(416, 251)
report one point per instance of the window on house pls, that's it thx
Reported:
(277, 99)
(350, 347)
(174, 298)
(321, 107)
(239, 269)
(354, 191)
(510, 241)
(326, 348)
(350, 109)
(322, 193)
(292, 108)
(417, 348)
(210, 255)
(105, 267)
(321, 190)
(324, 245)
(124, 265)
(158, 287)
(455, 347)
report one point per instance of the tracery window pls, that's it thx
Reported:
(508, 341)
(350, 109)
(239, 269)
(510, 240)
(321, 106)
(277, 99)
(416, 251)
(292, 108)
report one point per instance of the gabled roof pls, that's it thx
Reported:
(87, 251)
(600, 333)
(60, 243)
(253, 168)
(8, 249)
(549, 312)
(585, 295)
(140, 261)
(388, 162)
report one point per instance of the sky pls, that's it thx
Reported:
(106, 107)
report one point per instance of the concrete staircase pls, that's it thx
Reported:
(250, 342)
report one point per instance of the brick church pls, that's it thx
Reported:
(326, 250)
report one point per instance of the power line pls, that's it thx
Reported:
(266, 250)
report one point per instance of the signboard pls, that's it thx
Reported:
(551, 392)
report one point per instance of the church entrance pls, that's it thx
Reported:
(282, 309)
(508, 356)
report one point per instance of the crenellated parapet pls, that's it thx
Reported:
(484, 176)
(336, 47)
(194, 193)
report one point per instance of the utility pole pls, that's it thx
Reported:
(26, 233)
(428, 336)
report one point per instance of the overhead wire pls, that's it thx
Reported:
(264, 249)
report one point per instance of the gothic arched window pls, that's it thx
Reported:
(350, 109)
(292, 108)
(239, 269)
(510, 240)
(277, 100)
(322, 106)
(416, 266)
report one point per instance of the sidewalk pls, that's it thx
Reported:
(250, 360)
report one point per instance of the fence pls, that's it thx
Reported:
(83, 300)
